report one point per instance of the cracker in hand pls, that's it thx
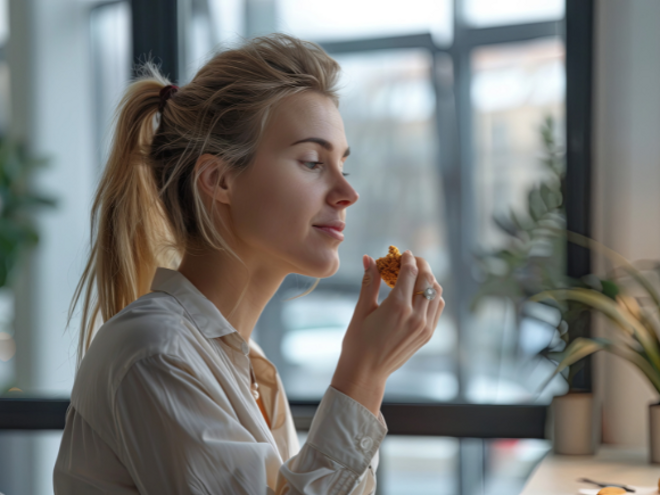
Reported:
(389, 266)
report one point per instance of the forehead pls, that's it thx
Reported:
(303, 115)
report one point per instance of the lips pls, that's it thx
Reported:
(331, 231)
(337, 225)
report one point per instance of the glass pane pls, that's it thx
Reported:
(5, 101)
(111, 57)
(7, 342)
(488, 13)
(208, 26)
(388, 107)
(4, 22)
(318, 20)
(26, 461)
(7, 334)
(419, 465)
(514, 87)
(228, 17)
(509, 462)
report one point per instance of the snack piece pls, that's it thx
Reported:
(611, 490)
(389, 266)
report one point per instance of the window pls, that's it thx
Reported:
(441, 102)
(441, 110)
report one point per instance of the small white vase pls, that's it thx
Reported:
(574, 424)
(654, 433)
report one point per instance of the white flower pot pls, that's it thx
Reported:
(575, 424)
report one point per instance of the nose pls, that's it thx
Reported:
(343, 194)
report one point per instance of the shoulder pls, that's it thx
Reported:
(152, 325)
(149, 325)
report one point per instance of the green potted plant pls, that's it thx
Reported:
(534, 260)
(630, 300)
(18, 233)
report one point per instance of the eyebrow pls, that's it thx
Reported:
(326, 144)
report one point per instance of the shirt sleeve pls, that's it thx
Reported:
(174, 438)
(340, 455)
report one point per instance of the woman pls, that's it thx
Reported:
(212, 194)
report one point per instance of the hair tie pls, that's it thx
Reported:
(165, 94)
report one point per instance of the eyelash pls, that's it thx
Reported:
(321, 163)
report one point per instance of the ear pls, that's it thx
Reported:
(215, 178)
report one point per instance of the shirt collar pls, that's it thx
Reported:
(206, 316)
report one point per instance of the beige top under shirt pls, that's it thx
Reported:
(162, 405)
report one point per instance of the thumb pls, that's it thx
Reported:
(368, 300)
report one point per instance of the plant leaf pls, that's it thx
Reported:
(616, 258)
(612, 310)
(578, 349)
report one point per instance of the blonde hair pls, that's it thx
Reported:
(147, 209)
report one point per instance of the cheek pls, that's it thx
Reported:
(275, 209)
(275, 217)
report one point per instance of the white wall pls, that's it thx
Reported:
(627, 180)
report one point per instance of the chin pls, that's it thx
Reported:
(321, 268)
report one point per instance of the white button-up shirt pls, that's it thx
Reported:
(162, 405)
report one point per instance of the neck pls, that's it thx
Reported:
(222, 279)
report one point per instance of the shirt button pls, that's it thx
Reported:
(366, 443)
(244, 348)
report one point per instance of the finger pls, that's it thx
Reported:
(436, 306)
(405, 281)
(441, 309)
(425, 271)
(425, 279)
(368, 299)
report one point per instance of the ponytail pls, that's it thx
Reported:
(127, 219)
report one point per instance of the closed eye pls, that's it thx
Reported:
(314, 164)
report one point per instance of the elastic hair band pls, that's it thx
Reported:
(165, 94)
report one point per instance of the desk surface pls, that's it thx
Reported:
(558, 474)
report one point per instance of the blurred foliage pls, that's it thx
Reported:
(18, 232)
(630, 300)
(534, 257)
(530, 269)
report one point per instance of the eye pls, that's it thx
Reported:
(314, 164)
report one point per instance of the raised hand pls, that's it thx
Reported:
(381, 338)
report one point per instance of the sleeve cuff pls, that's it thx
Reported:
(346, 431)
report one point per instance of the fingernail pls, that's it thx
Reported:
(365, 262)
(408, 251)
